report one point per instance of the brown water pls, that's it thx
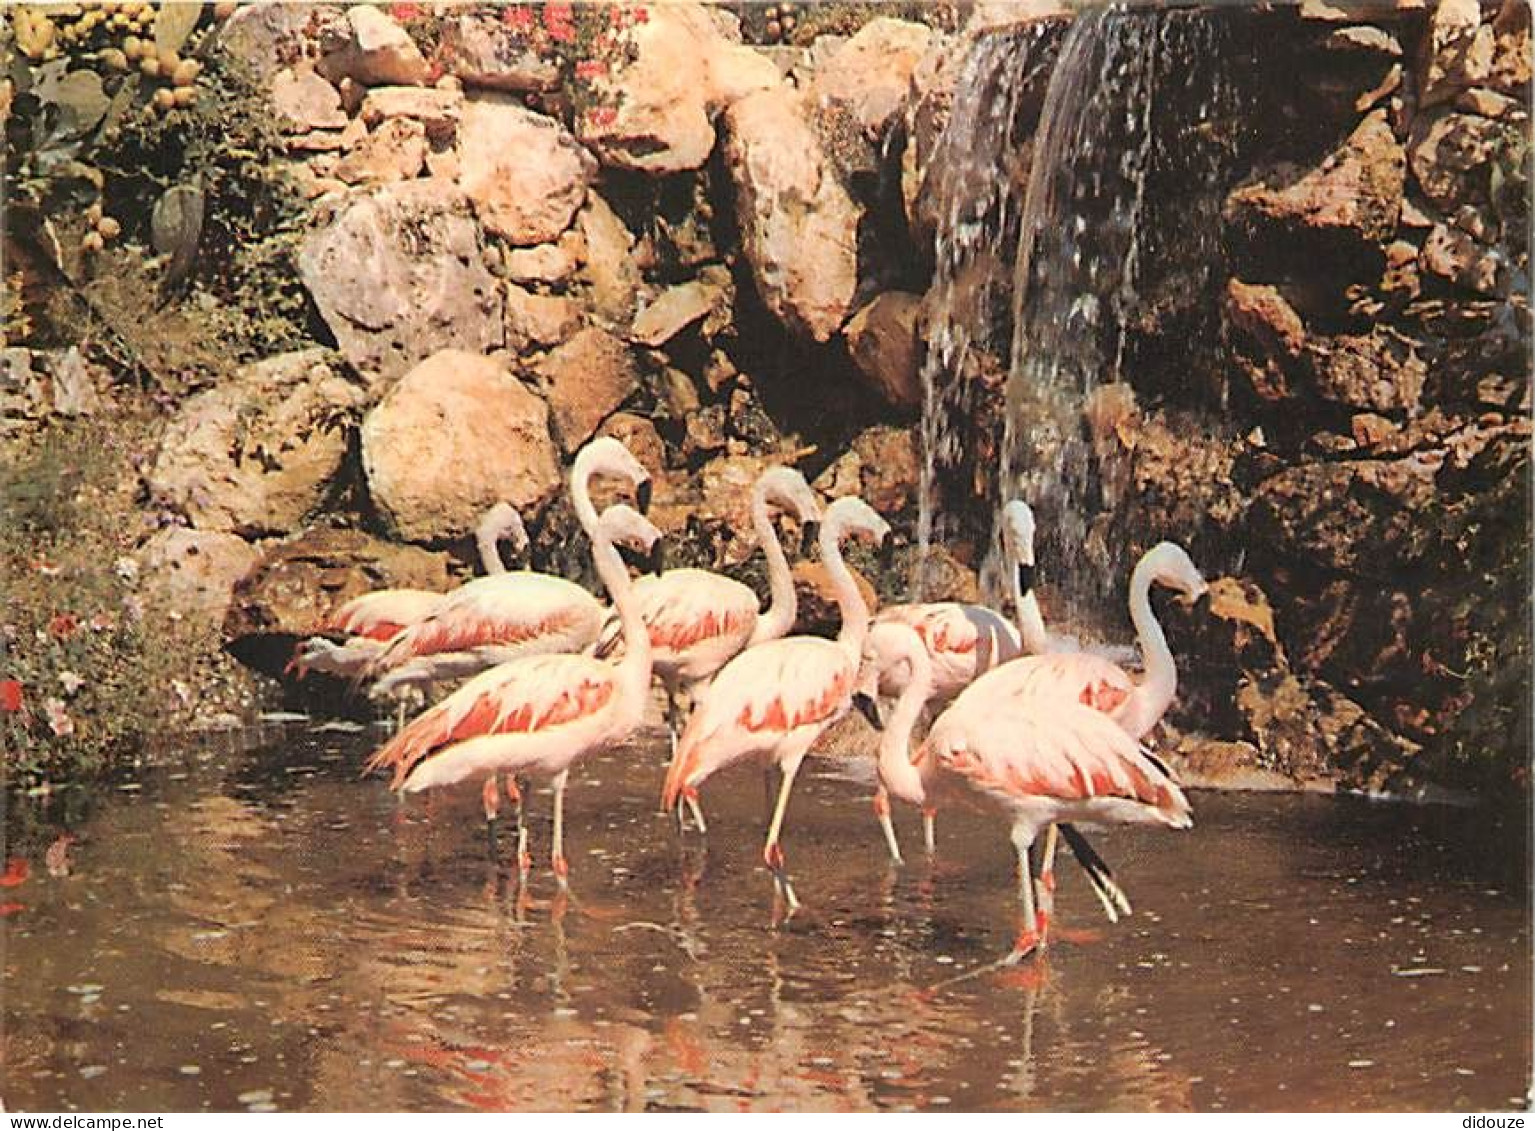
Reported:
(262, 929)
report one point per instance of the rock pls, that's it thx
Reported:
(254, 454)
(945, 578)
(453, 436)
(586, 379)
(306, 100)
(1356, 191)
(266, 38)
(1451, 154)
(882, 340)
(818, 610)
(525, 175)
(437, 110)
(379, 52)
(297, 583)
(1221, 642)
(637, 434)
(1356, 516)
(396, 151)
(655, 112)
(870, 74)
(799, 226)
(1455, 256)
(1512, 55)
(398, 274)
(611, 275)
(677, 308)
(1457, 52)
(483, 51)
(890, 468)
(547, 262)
(1487, 103)
(539, 320)
(194, 572)
(705, 432)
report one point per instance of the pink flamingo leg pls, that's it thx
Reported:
(882, 812)
(1029, 935)
(524, 860)
(1047, 885)
(929, 833)
(772, 852)
(557, 852)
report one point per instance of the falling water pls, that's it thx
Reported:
(1111, 243)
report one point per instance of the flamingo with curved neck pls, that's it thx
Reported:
(772, 702)
(699, 619)
(538, 714)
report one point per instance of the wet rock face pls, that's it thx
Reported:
(398, 273)
(454, 436)
(254, 456)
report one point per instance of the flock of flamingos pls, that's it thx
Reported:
(1049, 736)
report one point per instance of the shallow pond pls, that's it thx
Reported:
(260, 928)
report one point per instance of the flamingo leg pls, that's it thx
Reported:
(1028, 940)
(490, 797)
(1047, 884)
(524, 861)
(557, 852)
(691, 797)
(772, 852)
(882, 811)
(929, 831)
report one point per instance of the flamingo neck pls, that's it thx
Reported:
(1150, 700)
(897, 771)
(634, 668)
(490, 551)
(1031, 622)
(581, 473)
(778, 618)
(850, 602)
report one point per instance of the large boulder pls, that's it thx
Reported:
(194, 572)
(674, 72)
(297, 583)
(585, 379)
(377, 52)
(524, 173)
(870, 75)
(611, 275)
(398, 274)
(1356, 192)
(263, 39)
(254, 455)
(1453, 154)
(882, 340)
(482, 50)
(455, 435)
(799, 225)
(1457, 52)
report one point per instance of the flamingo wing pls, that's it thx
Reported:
(1056, 677)
(1063, 751)
(683, 608)
(379, 615)
(758, 699)
(963, 640)
(533, 696)
(506, 609)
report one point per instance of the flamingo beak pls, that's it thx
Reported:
(1025, 578)
(642, 495)
(868, 708)
(655, 561)
(810, 533)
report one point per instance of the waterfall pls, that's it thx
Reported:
(1115, 235)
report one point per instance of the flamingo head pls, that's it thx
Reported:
(851, 515)
(893, 654)
(1171, 566)
(624, 526)
(503, 521)
(606, 456)
(787, 487)
(1018, 542)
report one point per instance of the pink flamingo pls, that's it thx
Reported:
(773, 701)
(1043, 762)
(539, 713)
(698, 620)
(368, 622)
(963, 641)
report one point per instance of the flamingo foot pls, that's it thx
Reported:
(1029, 942)
(561, 870)
(690, 795)
(772, 856)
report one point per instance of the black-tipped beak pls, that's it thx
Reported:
(869, 709)
(887, 551)
(809, 535)
(1025, 579)
(642, 495)
(655, 561)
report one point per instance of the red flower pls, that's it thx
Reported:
(518, 16)
(405, 12)
(602, 115)
(10, 695)
(16, 872)
(557, 17)
(639, 15)
(63, 626)
(590, 68)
